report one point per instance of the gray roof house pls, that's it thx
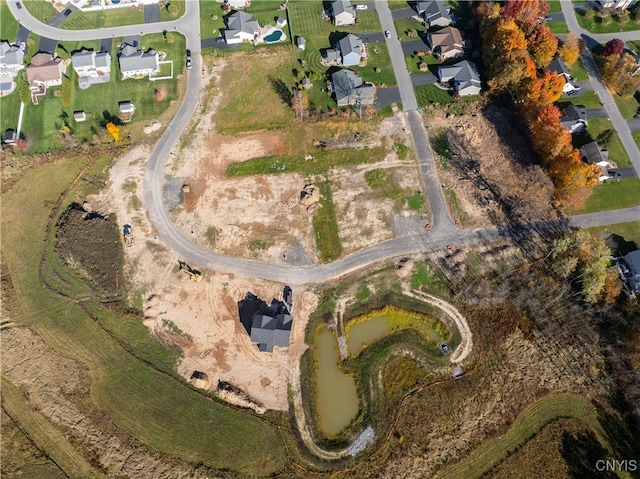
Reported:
(463, 77)
(241, 27)
(91, 67)
(351, 50)
(11, 62)
(560, 67)
(435, 13)
(632, 274)
(342, 12)
(349, 89)
(268, 331)
(301, 43)
(446, 42)
(574, 118)
(594, 154)
(136, 63)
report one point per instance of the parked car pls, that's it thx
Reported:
(219, 39)
(188, 53)
(23, 46)
(387, 33)
(361, 7)
(18, 5)
(188, 63)
(67, 12)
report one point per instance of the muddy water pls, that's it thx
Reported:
(337, 395)
(365, 333)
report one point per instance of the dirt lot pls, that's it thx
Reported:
(492, 170)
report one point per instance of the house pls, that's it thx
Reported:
(241, 27)
(237, 3)
(281, 22)
(135, 63)
(435, 13)
(631, 270)
(301, 43)
(10, 137)
(91, 67)
(269, 331)
(574, 118)
(463, 77)
(342, 12)
(349, 89)
(348, 51)
(446, 42)
(11, 62)
(617, 4)
(43, 72)
(592, 153)
(79, 116)
(559, 67)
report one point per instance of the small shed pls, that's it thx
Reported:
(126, 107)
(306, 83)
(10, 137)
(79, 116)
(281, 22)
(301, 43)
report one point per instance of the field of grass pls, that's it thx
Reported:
(41, 122)
(8, 24)
(429, 94)
(628, 105)
(617, 152)
(629, 231)
(103, 18)
(398, 4)
(413, 64)
(325, 225)
(380, 60)
(388, 186)
(554, 6)
(207, 24)
(589, 99)
(529, 422)
(578, 71)
(42, 10)
(595, 25)
(403, 25)
(153, 407)
(558, 27)
(612, 195)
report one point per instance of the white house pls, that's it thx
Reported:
(342, 13)
(241, 27)
(43, 72)
(136, 63)
(91, 67)
(592, 153)
(11, 62)
(617, 4)
(238, 3)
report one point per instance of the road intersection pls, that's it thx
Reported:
(444, 232)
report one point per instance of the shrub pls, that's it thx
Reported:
(605, 19)
(423, 67)
(589, 13)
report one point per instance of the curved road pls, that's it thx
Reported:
(440, 236)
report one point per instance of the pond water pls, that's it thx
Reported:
(366, 332)
(337, 395)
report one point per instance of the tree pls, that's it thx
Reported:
(612, 287)
(619, 74)
(114, 130)
(613, 47)
(570, 49)
(542, 45)
(543, 91)
(299, 103)
(526, 13)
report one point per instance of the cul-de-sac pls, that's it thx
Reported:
(334, 239)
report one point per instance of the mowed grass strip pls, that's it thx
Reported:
(116, 17)
(44, 435)
(325, 225)
(153, 407)
(8, 24)
(527, 425)
(612, 195)
(42, 10)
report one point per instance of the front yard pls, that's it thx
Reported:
(617, 153)
(629, 106)
(612, 195)
(596, 25)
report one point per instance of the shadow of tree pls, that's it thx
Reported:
(281, 88)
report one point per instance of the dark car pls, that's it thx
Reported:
(67, 12)
(18, 5)
(188, 53)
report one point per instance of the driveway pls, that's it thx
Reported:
(22, 35)
(61, 17)
(106, 44)
(151, 13)
(617, 173)
(596, 113)
(423, 79)
(634, 124)
(409, 48)
(386, 96)
(375, 37)
(404, 13)
(47, 45)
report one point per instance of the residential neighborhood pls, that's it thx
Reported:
(442, 199)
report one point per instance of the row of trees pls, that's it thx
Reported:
(517, 47)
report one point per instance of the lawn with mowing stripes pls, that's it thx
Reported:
(8, 24)
(629, 106)
(42, 10)
(588, 99)
(103, 18)
(155, 408)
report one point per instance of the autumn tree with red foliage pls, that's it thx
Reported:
(526, 13)
(540, 92)
(613, 47)
(542, 45)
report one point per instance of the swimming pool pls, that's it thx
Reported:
(273, 37)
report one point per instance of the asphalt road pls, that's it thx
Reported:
(443, 234)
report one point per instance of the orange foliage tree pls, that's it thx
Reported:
(114, 130)
(542, 45)
(570, 49)
(542, 91)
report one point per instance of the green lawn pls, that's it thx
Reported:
(589, 100)
(381, 60)
(578, 71)
(617, 152)
(155, 408)
(325, 225)
(558, 27)
(103, 19)
(403, 25)
(398, 4)
(633, 45)
(612, 195)
(428, 94)
(595, 25)
(629, 231)
(636, 137)
(628, 105)
(175, 11)
(8, 24)
(554, 6)
(41, 122)
(207, 25)
(265, 11)
(41, 9)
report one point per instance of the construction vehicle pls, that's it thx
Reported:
(193, 273)
(127, 233)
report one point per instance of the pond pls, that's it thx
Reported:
(337, 395)
(365, 332)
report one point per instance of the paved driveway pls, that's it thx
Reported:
(375, 37)
(423, 79)
(151, 13)
(404, 13)
(211, 43)
(409, 48)
(61, 17)
(106, 44)
(47, 45)
(622, 173)
(634, 124)
(386, 96)
(597, 113)
(22, 35)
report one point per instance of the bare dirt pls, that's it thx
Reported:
(493, 170)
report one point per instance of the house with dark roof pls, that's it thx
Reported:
(631, 270)
(269, 331)
(348, 51)
(135, 63)
(349, 89)
(463, 78)
(446, 42)
(593, 153)
(342, 13)
(574, 118)
(10, 136)
(559, 67)
(241, 27)
(43, 72)
(91, 67)
(434, 13)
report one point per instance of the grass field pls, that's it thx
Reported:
(628, 105)
(207, 24)
(554, 6)
(155, 408)
(41, 122)
(103, 19)
(636, 137)
(578, 71)
(429, 94)
(325, 225)
(403, 25)
(629, 231)
(589, 99)
(529, 422)
(558, 27)
(8, 24)
(612, 195)
(595, 25)
(617, 153)
(42, 10)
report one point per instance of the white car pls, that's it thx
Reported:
(23, 46)
(387, 33)
(361, 7)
